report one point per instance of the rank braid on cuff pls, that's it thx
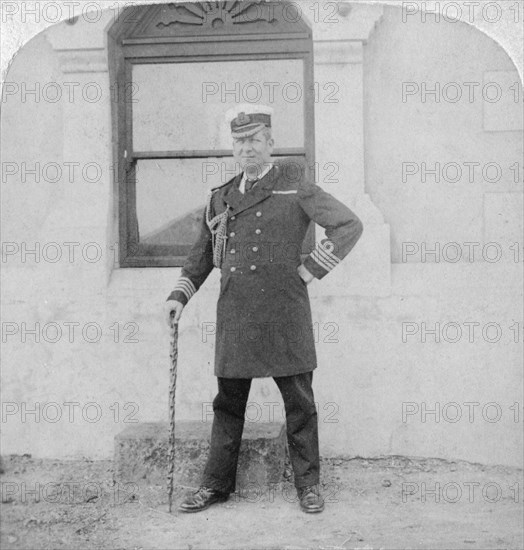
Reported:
(323, 255)
(186, 286)
(218, 228)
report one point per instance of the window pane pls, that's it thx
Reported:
(171, 195)
(180, 106)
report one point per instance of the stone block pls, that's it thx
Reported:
(142, 451)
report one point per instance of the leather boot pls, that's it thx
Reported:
(311, 500)
(201, 499)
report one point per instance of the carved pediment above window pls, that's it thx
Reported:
(216, 15)
(215, 19)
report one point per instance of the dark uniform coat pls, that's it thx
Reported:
(264, 326)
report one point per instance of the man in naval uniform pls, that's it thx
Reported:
(253, 229)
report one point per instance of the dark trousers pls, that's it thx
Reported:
(229, 407)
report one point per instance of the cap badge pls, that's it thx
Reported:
(242, 118)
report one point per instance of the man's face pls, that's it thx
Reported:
(253, 153)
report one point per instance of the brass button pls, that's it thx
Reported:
(258, 214)
(253, 267)
(232, 234)
(258, 231)
(233, 217)
(255, 249)
(232, 251)
(233, 269)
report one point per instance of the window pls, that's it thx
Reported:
(177, 69)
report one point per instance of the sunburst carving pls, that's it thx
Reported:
(215, 15)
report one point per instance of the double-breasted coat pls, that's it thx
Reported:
(264, 325)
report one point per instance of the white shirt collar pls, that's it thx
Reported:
(242, 186)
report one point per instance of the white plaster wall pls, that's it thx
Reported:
(421, 129)
(367, 374)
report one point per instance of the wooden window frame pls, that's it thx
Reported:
(126, 49)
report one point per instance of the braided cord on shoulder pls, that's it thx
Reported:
(218, 228)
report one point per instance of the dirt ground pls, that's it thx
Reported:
(388, 503)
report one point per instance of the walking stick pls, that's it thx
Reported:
(173, 354)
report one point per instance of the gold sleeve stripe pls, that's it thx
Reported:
(186, 286)
(320, 261)
(324, 257)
